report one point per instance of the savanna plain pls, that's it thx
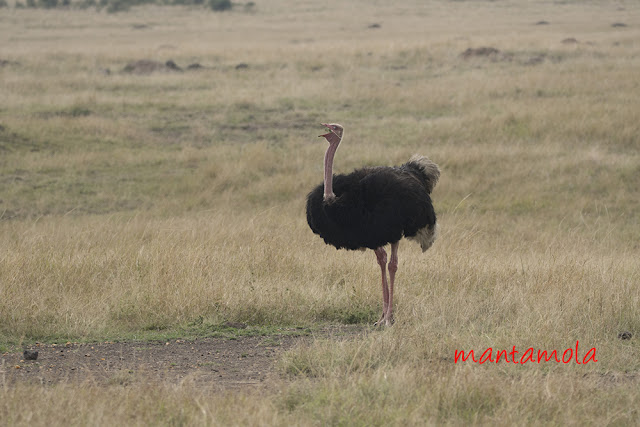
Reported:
(150, 204)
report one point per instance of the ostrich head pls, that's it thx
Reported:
(333, 137)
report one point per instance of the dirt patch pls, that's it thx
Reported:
(6, 62)
(219, 363)
(491, 54)
(147, 66)
(486, 53)
(480, 52)
(570, 40)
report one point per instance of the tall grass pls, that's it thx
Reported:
(132, 203)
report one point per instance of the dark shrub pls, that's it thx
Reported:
(47, 4)
(220, 5)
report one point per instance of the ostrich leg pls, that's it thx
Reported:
(393, 267)
(381, 255)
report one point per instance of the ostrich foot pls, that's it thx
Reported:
(383, 321)
(380, 321)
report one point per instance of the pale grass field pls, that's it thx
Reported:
(131, 204)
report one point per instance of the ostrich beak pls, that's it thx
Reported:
(326, 134)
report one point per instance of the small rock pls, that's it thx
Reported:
(242, 66)
(618, 24)
(30, 355)
(542, 23)
(625, 335)
(172, 66)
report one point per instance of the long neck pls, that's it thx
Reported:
(328, 171)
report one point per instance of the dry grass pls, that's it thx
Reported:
(131, 203)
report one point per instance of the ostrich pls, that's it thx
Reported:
(372, 207)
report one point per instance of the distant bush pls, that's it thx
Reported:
(184, 2)
(113, 6)
(47, 4)
(85, 4)
(118, 5)
(220, 5)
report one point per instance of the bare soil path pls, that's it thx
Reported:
(220, 363)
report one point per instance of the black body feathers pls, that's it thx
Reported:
(376, 206)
